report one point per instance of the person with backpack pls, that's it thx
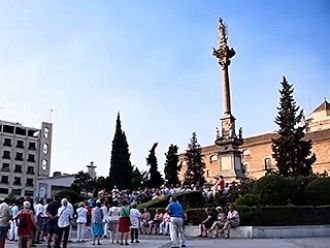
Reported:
(64, 222)
(25, 225)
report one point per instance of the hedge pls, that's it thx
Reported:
(317, 192)
(190, 199)
(272, 215)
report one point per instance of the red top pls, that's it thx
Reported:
(28, 230)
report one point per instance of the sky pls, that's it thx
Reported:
(78, 63)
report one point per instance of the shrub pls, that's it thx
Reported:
(298, 188)
(274, 190)
(74, 196)
(220, 200)
(191, 199)
(249, 200)
(317, 192)
(272, 215)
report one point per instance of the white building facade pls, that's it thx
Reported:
(25, 155)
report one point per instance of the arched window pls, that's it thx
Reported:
(268, 164)
(213, 158)
(246, 153)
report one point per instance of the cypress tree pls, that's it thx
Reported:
(172, 167)
(291, 151)
(120, 166)
(195, 163)
(155, 178)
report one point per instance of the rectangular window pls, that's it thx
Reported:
(5, 167)
(17, 181)
(3, 191)
(19, 156)
(20, 144)
(32, 146)
(7, 142)
(31, 158)
(28, 193)
(4, 179)
(30, 170)
(18, 168)
(6, 154)
(29, 182)
(16, 192)
(20, 131)
(8, 129)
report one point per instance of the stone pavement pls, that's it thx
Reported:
(157, 242)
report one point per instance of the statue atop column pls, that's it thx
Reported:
(228, 141)
(223, 53)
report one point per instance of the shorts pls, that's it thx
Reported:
(52, 226)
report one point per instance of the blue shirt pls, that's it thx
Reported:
(175, 209)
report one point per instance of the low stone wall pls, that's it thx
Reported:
(269, 231)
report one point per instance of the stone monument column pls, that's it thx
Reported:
(227, 140)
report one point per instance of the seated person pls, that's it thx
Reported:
(220, 222)
(158, 218)
(233, 220)
(208, 222)
(145, 219)
(164, 226)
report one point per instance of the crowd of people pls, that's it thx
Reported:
(105, 213)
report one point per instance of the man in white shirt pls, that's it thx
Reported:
(40, 214)
(233, 220)
(64, 216)
(5, 216)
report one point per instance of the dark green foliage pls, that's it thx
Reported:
(274, 190)
(195, 164)
(292, 153)
(155, 178)
(220, 200)
(249, 200)
(136, 178)
(191, 199)
(172, 167)
(317, 192)
(120, 167)
(298, 188)
(73, 196)
(272, 215)
(82, 182)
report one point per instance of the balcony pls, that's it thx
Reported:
(7, 144)
(5, 169)
(6, 157)
(29, 184)
(32, 160)
(18, 171)
(30, 172)
(19, 159)
(17, 183)
(4, 182)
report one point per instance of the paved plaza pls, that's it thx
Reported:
(208, 243)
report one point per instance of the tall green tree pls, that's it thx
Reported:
(137, 178)
(120, 165)
(195, 163)
(172, 167)
(291, 151)
(82, 181)
(155, 178)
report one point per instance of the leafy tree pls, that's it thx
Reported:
(120, 167)
(195, 163)
(155, 178)
(171, 165)
(82, 181)
(137, 178)
(291, 151)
